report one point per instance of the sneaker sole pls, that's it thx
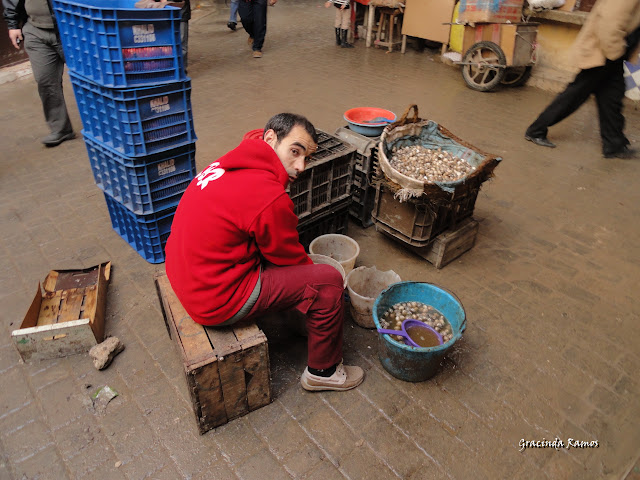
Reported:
(319, 388)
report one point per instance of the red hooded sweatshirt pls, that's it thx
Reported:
(233, 214)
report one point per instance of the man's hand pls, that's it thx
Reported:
(15, 34)
(327, 4)
(272, 2)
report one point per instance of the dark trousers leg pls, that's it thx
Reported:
(259, 23)
(184, 40)
(609, 98)
(567, 102)
(245, 9)
(47, 63)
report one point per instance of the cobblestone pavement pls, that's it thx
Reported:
(550, 291)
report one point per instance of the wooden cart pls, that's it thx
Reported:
(498, 53)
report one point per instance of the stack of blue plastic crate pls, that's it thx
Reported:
(134, 98)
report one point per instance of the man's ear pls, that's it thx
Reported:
(271, 138)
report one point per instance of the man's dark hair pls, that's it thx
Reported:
(283, 123)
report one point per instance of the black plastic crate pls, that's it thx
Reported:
(327, 178)
(334, 219)
(364, 200)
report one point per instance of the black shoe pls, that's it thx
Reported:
(625, 153)
(542, 141)
(338, 38)
(55, 139)
(232, 26)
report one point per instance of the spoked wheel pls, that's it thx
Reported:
(483, 66)
(516, 76)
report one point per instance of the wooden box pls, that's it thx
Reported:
(447, 246)
(227, 369)
(491, 11)
(68, 318)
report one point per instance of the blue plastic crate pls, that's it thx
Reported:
(117, 45)
(142, 184)
(136, 121)
(147, 234)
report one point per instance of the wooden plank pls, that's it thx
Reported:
(31, 318)
(450, 244)
(54, 340)
(231, 368)
(49, 284)
(204, 384)
(96, 304)
(194, 345)
(71, 305)
(49, 308)
(223, 340)
(232, 380)
(257, 377)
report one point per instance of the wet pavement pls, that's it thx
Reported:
(550, 291)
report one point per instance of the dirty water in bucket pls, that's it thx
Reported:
(399, 312)
(423, 337)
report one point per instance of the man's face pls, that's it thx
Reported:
(293, 150)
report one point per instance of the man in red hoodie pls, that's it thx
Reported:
(234, 251)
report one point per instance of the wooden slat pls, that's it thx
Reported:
(232, 380)
(49, 308)
(223, 339)
(191, 337)
(204, 383)
(231, 368)
(71, 305)
(256, 364)
(49, 284)
(54, 340)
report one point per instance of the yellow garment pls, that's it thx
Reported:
(456, 36)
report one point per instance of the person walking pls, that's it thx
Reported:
(32, 21)
(607, 38)
(253, 14)
(233, 15)
(234, 253)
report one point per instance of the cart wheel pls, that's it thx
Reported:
(516, 76)
(484, 67)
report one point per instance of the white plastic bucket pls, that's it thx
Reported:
(339, 247)
(364, 285)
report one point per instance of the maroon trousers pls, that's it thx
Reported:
(316, 291)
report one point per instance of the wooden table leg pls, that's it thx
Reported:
(404, 44)
(370, 22)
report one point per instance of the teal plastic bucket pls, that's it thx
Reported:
(410, 363)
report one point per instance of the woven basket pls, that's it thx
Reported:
(417, 131)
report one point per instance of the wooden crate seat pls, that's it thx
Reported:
(227, 369)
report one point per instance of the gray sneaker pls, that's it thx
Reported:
(344, 378)
(55, 139)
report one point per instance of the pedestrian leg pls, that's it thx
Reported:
(567, 102)
(259, 23)
(245, 9)
(47, 63)
(609, 97)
